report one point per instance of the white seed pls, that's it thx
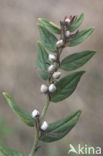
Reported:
(52, 57)
(52, 88)
(67, 20)
(35, 112)
(67, 33)
(56, 75)
(44, 126)
(43, 88)
(51, 68)
(59, 43)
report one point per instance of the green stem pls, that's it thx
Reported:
(36, 139)
(35, 145)
(44, 109)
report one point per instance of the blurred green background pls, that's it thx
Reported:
(18, 73)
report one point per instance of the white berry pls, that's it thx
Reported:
(52, 57)
(67, 20)
(56, 75)
(52, 88)
(67, 33)
(59, 43)
(43, 88)
(44, 126)
(35, 113)
(51, 68)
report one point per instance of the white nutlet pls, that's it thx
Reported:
(51, 68)
(35, 113)
(59, 43)
(56, 75)
(52, 88)
(43, 88)
(67, 20)
(67, 33)
(52, 57)
(44, 126)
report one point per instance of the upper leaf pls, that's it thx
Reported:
(5, 151)
(50, 25)
(59, 129)
(66, 86)
(80, 37)
(47, 38)
(77, 23)
(22, 114)
(76, 60)
(42, 58)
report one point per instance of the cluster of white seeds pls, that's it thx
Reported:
(51, 69)
(36, 113)
(55, 75)
(67, 33)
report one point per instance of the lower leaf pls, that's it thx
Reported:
(22, 114)
(59, 129)
(5, 151)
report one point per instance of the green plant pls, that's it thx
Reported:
(55, 90)
(5, 130)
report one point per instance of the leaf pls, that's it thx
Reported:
(47, 38)
(59, 129)
(5, 151)
(22, 114)
(50, 25)
(66, 86)
(76, 60)
(80, 37)
(77, 23)
(42, 58)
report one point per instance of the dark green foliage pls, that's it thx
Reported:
(59, 129)
(76, 60)
(22, 114)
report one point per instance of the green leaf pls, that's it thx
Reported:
(59, 129)
(50, 25)
(5, 151)
(76, 60)
(22, 114)
(66, 86)
(77, 23)
(47, 38)
(80, 37)
(42, 58)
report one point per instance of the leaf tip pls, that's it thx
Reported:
(82, 71)
(4, 94)
(39, 19)
(79, 113)
(82, 14)
(38, 43)
(39, 25)
(92, 29)
(94, 52)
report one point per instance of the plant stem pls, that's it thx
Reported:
(44, 109)
(36, 139)
(35, 145)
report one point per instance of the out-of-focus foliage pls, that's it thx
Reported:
(4, 129)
